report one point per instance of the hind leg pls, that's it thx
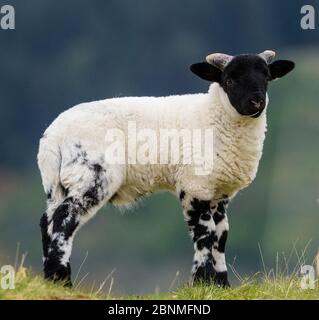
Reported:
(84, 196)
(65, 221)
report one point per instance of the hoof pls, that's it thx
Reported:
(221, 279)
(58, 273)
(207, 275)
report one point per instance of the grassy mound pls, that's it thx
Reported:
(33, 287)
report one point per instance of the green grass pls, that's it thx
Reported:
(32, 287)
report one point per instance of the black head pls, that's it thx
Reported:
(244, 78)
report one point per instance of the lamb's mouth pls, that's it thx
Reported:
(256, 114)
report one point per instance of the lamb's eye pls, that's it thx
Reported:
(229, 82)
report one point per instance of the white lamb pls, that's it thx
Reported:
(79, 177)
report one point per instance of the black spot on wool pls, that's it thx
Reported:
(206, 216)
(206, 242)
(65, 218)
(218, 217)
(198, 207)
(49, 194)
(97, 168)
(95, 194)
(221, 207)
(222, 242)
(199, 231)
(45, 236)
(91, 197)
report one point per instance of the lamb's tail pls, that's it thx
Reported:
(49, 162)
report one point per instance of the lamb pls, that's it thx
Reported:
(79, 178)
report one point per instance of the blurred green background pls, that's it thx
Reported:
(64, 53)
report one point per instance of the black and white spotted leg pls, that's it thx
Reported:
(202, 228)
(218, 251)
(58, 239)
(206, 234)
(83, 197)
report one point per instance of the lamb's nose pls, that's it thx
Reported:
(257, 102)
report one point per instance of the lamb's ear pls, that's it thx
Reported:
(280, 68)
(206, 71)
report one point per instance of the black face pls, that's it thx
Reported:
(245, 80)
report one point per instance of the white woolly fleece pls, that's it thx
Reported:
(238, 143)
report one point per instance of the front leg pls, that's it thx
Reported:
(207, 225)
(221, 233)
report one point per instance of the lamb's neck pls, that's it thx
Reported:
(238, 140)
(223, 114)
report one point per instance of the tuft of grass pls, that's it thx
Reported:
(34, 287)
(279, 289)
